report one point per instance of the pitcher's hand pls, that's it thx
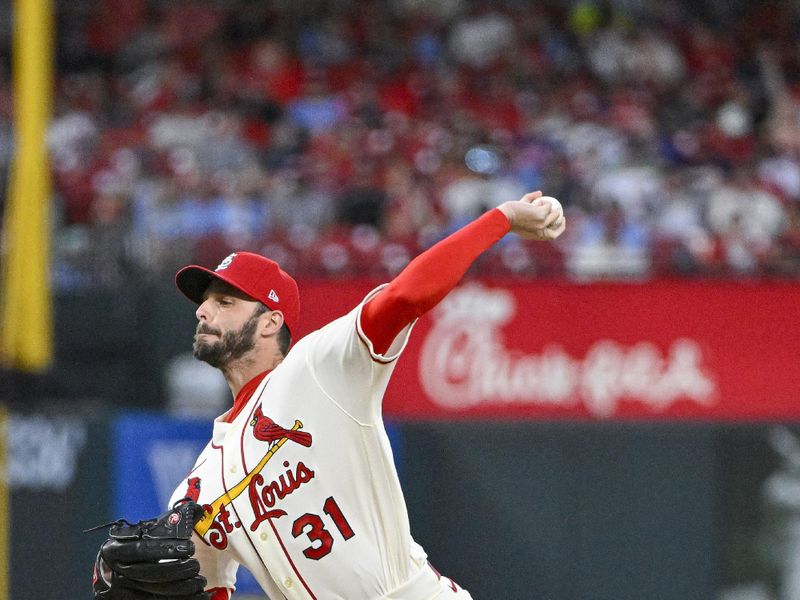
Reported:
(535, 217)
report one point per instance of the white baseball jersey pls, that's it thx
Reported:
(302, 485)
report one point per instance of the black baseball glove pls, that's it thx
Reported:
(151, 560)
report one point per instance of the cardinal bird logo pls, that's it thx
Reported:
(193, 489)
(266, 430)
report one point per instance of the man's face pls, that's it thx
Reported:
(227, 324)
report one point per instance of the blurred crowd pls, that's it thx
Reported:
(343, 137)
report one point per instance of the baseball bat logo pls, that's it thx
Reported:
(213, 509)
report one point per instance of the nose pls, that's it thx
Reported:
(202, 311)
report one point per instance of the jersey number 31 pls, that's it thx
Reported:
(314, 527)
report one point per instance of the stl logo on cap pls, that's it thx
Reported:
(226, 262)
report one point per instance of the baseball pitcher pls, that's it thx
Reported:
(298, 481)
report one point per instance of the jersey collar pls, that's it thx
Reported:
(244, 396)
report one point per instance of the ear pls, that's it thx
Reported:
(272, 323)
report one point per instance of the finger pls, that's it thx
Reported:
(540, 211)
(121, 593)
(131, 551)
(555, 231)
(184, 587)
(548, 204)
(531, 196)
(159, 571)
(552, 216)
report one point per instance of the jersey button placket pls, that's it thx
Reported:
(287, 583)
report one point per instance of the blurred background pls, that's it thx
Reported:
(622, 423)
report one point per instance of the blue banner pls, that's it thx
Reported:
(153, 454)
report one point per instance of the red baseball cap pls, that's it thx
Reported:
(260, 278)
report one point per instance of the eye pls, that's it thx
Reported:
(225, 302)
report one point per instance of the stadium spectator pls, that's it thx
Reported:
(222, 124)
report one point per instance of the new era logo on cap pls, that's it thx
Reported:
(260, 278)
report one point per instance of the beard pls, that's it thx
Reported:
(231, 346)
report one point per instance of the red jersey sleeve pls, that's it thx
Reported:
(427, 279)
(219, 594)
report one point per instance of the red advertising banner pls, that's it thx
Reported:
(669, 350)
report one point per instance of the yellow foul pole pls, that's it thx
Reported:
(25, 297)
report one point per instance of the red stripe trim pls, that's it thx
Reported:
(372, 354)
(252, 544)
(246, 531)
(244, 395)
(245, 429)
(439, 575)
(200, 464)
(291, 562)
(219, 594)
